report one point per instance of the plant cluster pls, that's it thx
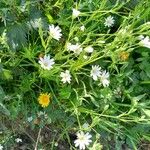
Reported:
(81, 68)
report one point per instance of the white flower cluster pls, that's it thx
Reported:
(76, 48)
(97, 73)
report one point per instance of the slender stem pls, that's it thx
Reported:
(36, 145)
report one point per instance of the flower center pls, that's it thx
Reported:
(45, 64)
(82, 138)
(45, 99)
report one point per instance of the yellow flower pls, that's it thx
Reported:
(124, 55)
(44, 99)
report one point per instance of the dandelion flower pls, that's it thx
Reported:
(18, 140)
(44, 99)
(109, 21)
(46, 63)
(66, 77)
(75, 13)
(89, 49)
(145, 42)
(82, 140)
(124, 55)
(55, 32)
(104, 78)
(95, 72)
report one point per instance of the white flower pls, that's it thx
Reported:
(89, 49)
(75, 13)
(140, 37)
(77, 49)
(66, 77)
(56, 144)
(68, 46)
(46, 62)
(55, 32)
(82, 140)
(1, 147)
(85, 126)
(36, 23)
(30, 119)
(95, 72)
(18, 140)
(42, 114)
(145, 42)
(14, 45)
(104, 78)
(109, 21)
(85, 57)
(82, 28)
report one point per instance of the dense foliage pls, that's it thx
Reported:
(112, 102)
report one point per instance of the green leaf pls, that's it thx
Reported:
(17, 35)
(50, 18)
(147, 137)
(4, 110)
(147, 112)
(65, 92)
(95, 121)
(96, 146)
(92, 100)
(7, 74)
(41, 37)
(145, 82)
(137, 98)
(2, 94)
